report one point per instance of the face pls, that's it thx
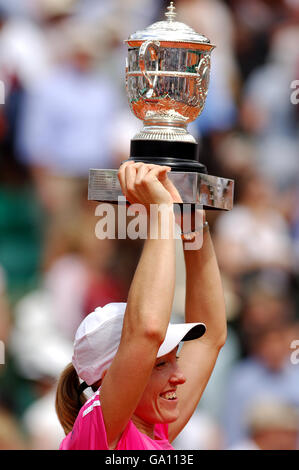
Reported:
(159, 402)
(273, 349)
(277, 439)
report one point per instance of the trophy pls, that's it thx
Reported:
(167, 78)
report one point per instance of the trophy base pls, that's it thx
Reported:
(210, 192)
(190, 177)
(180, 156)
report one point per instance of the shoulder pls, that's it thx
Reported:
(89, 431)
(91, 404)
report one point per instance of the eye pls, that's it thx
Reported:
(161, 364)
(177, 358)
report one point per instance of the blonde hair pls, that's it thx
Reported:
(68, 398)
(68, 401)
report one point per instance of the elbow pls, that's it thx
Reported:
(222, 330)
(155, 333)
(218, 339)
(222, 341)
(150, 330)
(222, 337)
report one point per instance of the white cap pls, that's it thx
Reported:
(98, 337)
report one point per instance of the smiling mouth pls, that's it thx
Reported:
(170, 396)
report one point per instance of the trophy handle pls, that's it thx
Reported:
(203, 71)
(153, 47)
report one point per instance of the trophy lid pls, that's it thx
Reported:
(169, 30)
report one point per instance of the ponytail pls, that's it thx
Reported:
(68, 398)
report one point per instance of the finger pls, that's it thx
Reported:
(130, 177)
(170, 187)
(142, 171)
(157, 172)
(125, 164)
(149, 166)
(137, 166)
(163, 173)
(122, 175)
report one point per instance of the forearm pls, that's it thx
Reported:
(152, 290)
(204, 292)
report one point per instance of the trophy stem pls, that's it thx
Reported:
(165, 131)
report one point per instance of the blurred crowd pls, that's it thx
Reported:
(63, 66)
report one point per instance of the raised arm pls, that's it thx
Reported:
(149, 305)
(204, 292)
(204, 303)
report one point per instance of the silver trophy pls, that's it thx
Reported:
(167, 79)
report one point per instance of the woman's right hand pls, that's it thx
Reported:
(144, 184)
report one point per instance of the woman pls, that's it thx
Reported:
(128, 352)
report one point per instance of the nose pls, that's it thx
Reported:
(177, 378)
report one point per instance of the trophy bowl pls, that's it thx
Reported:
(168, 97)
(167, 78)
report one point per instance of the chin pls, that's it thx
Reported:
(168, 418)
(171, 420)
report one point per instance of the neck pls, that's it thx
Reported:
(145, 428)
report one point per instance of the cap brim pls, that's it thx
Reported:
(180, 332)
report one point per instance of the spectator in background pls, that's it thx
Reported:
(213, 19)
(268, 114)
(25, 60)
(79, 270)
(272, 425)
(17, 8)
(5, 319)
(11, 437)
(254, 21)
(40, 423)
(294, 222)
(78, 275)
(16, 393)
(253, 236)
(38, 348)
(264, 306)
(32, 42)
(23, 51)
(36, 352)
(67, 124)
(266, 371)
(201, 433)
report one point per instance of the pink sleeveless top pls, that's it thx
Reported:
(89, 432)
